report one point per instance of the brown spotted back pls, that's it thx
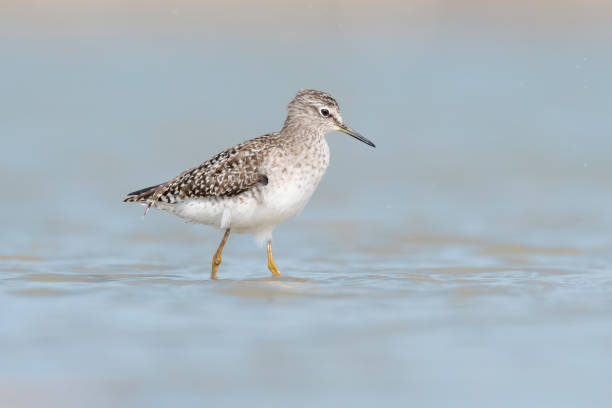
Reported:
(227, 174)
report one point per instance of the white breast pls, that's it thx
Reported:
(291, 183)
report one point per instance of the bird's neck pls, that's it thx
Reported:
(295, 133)
(303, 140)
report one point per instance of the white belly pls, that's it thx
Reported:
(260, 210)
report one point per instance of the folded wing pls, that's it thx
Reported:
(229, 173)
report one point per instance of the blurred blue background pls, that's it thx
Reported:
(465, 260)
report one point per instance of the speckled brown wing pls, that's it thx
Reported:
(229, 173)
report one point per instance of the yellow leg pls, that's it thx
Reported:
(271, 264)
(216, 261)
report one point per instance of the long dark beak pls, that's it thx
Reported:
(345, 129)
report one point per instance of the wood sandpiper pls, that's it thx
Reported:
(254, 186)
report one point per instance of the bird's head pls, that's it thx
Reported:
(319, 111)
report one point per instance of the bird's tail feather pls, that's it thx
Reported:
(142, 195)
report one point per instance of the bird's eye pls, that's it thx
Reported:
(324, 112)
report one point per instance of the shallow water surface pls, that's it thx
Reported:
(350, 322)
(466, 261)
